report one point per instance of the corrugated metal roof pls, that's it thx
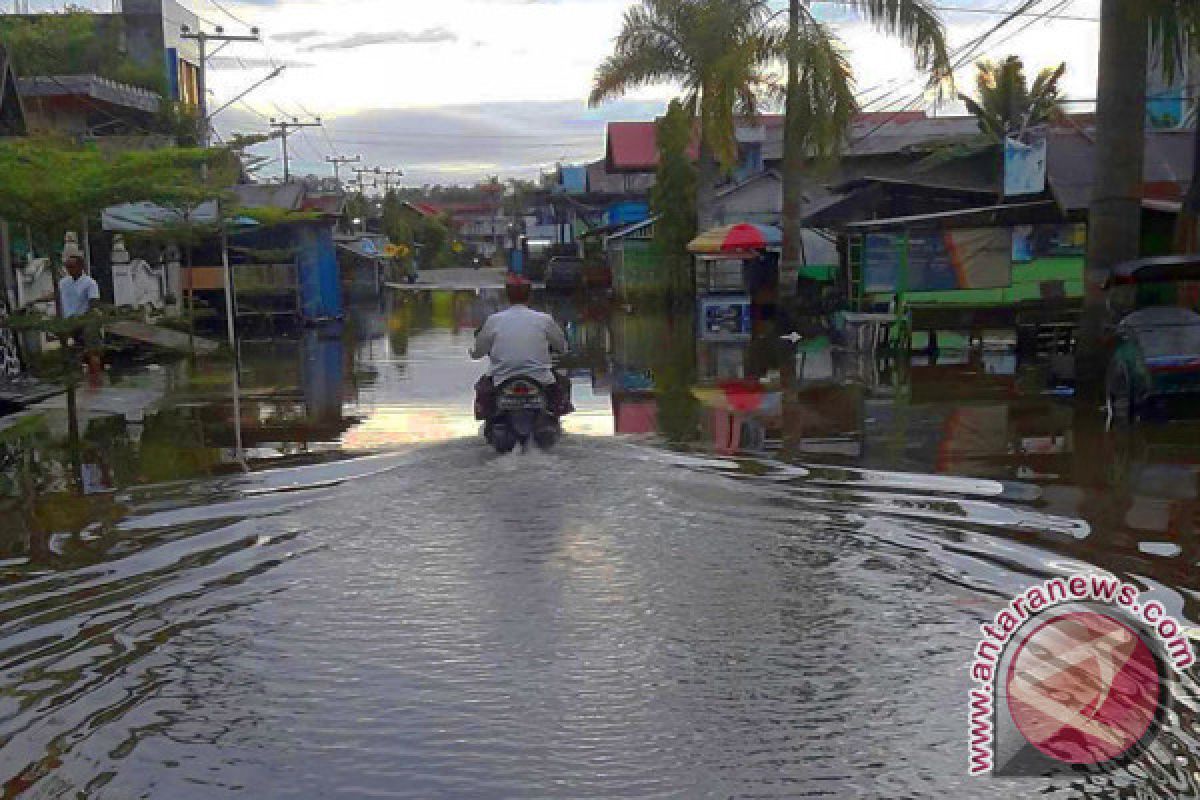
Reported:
(288, 196)
(92, 87)
(883, 133)
(1071, 166)
(734, 188)
(632, 146)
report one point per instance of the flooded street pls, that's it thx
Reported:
(751, 569)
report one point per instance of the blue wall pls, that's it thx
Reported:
(320, 289)
(574, 180)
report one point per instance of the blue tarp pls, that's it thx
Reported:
(628, 213)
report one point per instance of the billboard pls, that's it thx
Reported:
(969, 258)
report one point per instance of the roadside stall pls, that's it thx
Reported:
(737, 278)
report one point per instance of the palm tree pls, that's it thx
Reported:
(819, 94)
(719, 51)
(1114, 219)
(1006, 106)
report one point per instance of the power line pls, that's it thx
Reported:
(285, 127)
(970, 50)
(338, 162)
(202, 38)
(995, 12)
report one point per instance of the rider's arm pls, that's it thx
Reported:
(558, 340)
(484, 340)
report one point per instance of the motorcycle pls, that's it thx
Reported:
(523, 414)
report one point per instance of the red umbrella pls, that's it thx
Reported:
(740, 238)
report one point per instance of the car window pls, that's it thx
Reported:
(1169, 340)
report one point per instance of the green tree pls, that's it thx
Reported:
(1005, 105)
(357, 207)
(674, 201)
(718, 50)
(51, 185)
(395, 225)
(76, 42)
(819, 97)
(433, 237)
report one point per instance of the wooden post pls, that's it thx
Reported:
(230, 289)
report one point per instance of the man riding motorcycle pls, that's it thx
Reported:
(520, 342)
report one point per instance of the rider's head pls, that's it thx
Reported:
(518, 289)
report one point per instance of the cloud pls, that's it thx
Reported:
(460, 143)
(227, 63)
(364, 39)
(294, 37)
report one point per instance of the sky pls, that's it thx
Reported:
(452, 91)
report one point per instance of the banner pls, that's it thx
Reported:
(1024, 167)
(1033, 242)
(969, 258)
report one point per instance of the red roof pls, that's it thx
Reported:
(633, 146)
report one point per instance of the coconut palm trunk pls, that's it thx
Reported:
(1114, 230)
(1187, 234)
(708, 174)
(793, 147)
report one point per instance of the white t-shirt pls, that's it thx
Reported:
(77, 294)
(520, 341)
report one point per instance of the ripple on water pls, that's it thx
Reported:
(604, 620)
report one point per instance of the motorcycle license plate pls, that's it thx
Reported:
(518, 403)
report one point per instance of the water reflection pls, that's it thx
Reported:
(165, 519)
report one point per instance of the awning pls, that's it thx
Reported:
(741, 238)
(139, 217)
(1042, 211)
(367, 247)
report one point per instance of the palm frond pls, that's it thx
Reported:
(919, 26)
(823, 105)
(1174, 29)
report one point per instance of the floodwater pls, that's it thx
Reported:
(752, 569)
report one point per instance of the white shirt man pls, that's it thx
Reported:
(78, 291)
(520, 342)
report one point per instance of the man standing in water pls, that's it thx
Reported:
(77, 292)
(520, 342)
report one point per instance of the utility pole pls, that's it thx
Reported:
(362, 184)
(285, 127)
(387, 174)
(338, 161)
(1115, 217)
(202, 39)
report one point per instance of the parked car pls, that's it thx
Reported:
(564, 274)
(1157, 349)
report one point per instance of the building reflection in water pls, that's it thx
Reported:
(397, 374)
